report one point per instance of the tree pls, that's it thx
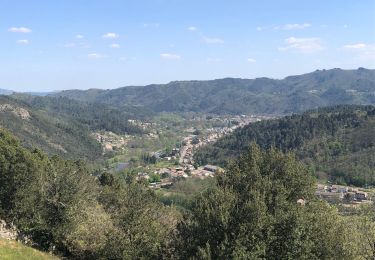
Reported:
(143, 226)
(252, 213)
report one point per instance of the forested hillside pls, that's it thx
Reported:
(51, 134)
(62, 208)
(337, 143)
(243, 96)
(94, 116)
(60, 125)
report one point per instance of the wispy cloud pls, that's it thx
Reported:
(170, 56)
(23, 42)
(251, 60)
(292, 26)
(356, 46)
(79, 36)
(209, 40)
(303, 45)
(364, 51)
(95, 56)
(192, 28)
(20, 30)
(114, 46)
(286, 27)
(111, 35)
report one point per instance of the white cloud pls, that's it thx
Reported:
(259, 28)
(293, 26)
(95, 56)
(192, 28)
(170, 56)
(111, 35)
(252, 60)
(23, 42)
(79, 36)
(213, 40)
(303, 45)
(363, 50)
(355, 46)
(114, 46)
(69, 45)
(20, 30)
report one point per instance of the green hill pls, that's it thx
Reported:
(243, 96)
(62, 126)
(94, 116)
(11, 250)
(54, 135)
(337, 143)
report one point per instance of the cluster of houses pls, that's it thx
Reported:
(141, 124)
(170, 175)
(110, 141)
(185, 153)
(186, 167)
(341, 194)
(167, 156)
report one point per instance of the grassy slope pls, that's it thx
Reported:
(14, 250)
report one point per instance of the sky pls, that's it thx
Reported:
(79, 44)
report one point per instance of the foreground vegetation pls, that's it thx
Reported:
(251, 211)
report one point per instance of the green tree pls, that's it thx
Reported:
(252, 213)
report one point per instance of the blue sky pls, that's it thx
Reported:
(54, 45)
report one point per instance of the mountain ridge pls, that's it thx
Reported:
(242, 96)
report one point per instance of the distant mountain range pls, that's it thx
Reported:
(242, 96)
(10, 92)
(5, 92)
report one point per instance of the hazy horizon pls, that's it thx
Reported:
(160, 83)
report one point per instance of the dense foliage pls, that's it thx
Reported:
(262, 207)
(337, 143)
(62, 208)
(252, 212)
(243, 96)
